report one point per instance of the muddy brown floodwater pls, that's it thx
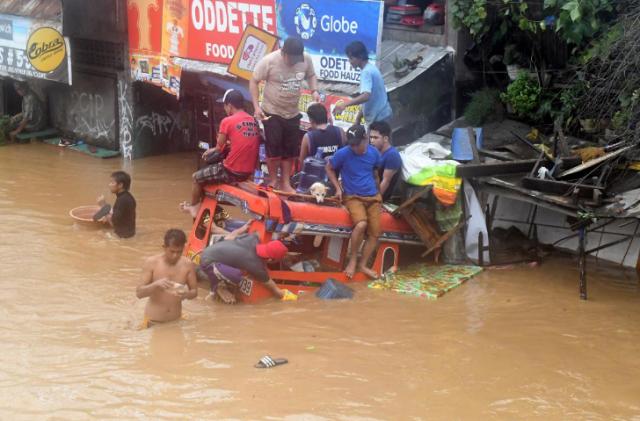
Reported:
(509, 344)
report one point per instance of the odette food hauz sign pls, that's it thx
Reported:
(327, 27)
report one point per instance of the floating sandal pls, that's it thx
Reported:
(268, 362)
(104, 211)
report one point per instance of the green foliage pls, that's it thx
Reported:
(600, 48)
(578, 20)
(470, 14)
(569, 98)
(484, 106)
(523, 94)
(628, 104)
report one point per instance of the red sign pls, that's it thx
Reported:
(216, 26)
(145, 25)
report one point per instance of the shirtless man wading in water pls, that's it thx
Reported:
(167, 279)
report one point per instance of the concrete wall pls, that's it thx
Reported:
(88, 109)
(158, 123)
(95, 19)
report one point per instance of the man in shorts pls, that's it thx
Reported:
(241, 132)
(358, 164)
(283, 72)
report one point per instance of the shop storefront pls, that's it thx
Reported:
(183, 49)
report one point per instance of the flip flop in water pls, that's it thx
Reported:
(104, 211)
(268, 362)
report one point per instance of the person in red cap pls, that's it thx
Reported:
(247, 253)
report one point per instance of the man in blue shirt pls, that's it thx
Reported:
(358, 165)
(380, 137)
(373, 94)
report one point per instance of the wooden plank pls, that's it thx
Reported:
(481, 170)
(409, 202)
(471, 134)
(444, 238)
(422, 224)
(558, 187)
(594, 162)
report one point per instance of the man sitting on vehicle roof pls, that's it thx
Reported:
(225, 261)
(358, 164)
(242, 133)
(323, 137)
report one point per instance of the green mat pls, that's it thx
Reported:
(431, 282)
(43, 134)
(94, 151)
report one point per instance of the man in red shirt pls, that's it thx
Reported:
(239, 132)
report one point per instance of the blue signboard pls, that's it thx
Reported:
(327, 26)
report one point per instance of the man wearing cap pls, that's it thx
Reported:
(358, 165)
(239, 132)
(226, 261)
(283, 71)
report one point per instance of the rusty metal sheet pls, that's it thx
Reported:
(36, 9)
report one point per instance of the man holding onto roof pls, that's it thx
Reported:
(358, 164)
(283, 71)
(391, 162)
(373, 94)
(241, 132)
(226, 262)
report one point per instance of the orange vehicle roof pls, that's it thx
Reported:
(257, 200)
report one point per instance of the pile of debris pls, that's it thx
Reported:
(590, 184)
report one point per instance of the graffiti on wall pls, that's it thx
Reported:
(87, 113)
(158, 124)
(126, 121)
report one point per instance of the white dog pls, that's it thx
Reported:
(319, 191)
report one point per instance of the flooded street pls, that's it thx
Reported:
(509, 344)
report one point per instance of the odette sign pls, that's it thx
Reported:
(216, 26)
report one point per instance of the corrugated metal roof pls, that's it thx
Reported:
(391, 50)
(37, 9)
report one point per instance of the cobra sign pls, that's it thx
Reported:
(33, 49)
(327, 27)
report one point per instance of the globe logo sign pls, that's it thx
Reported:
(305, 21)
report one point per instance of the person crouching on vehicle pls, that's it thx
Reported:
(241, 131)
(244, 253)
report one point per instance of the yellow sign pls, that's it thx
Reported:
(46, 49)
(254, 45)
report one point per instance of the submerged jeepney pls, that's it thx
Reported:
(317, 233)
